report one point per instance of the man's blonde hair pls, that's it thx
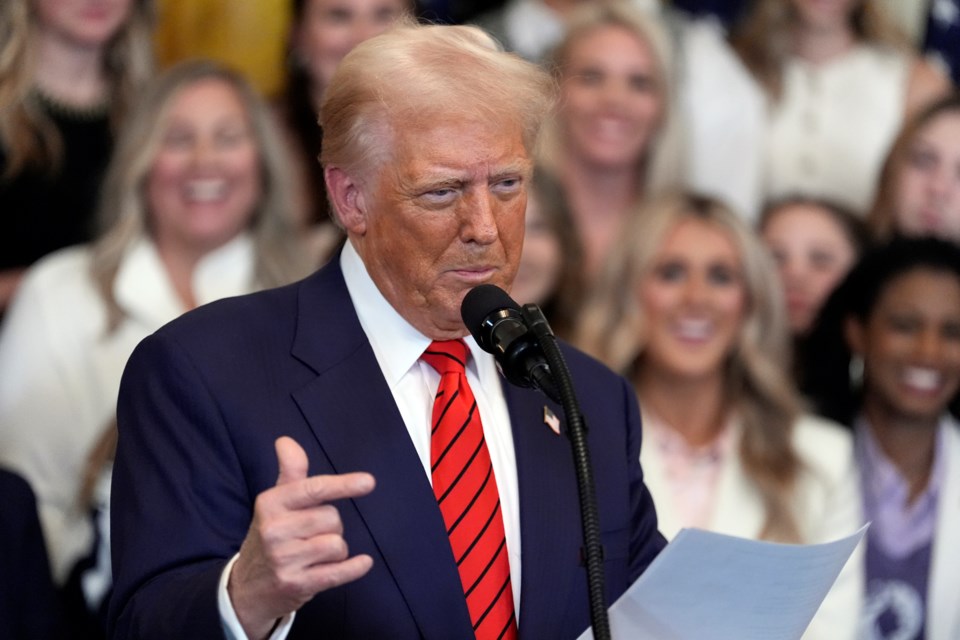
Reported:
(419, 71)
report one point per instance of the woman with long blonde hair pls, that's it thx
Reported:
(197, 207)
(615, 138)
(68, 74)
(689, 308)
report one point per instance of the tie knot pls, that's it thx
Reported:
(446, 356)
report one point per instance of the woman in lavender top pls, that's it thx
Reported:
(888, 363)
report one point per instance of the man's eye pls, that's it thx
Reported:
(440, 196)
(507, 184)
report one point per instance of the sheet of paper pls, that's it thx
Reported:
(709, 585)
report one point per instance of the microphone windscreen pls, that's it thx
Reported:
(480, 302)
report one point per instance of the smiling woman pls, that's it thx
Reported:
(614, 140)
(689, 308)
(897, 315)
(197, 209)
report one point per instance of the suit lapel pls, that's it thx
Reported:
(549, 514)
(401, 514)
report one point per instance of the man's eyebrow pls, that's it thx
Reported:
(423, 184)
(524, 169)
(439, 182)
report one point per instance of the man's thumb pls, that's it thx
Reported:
(292, 460)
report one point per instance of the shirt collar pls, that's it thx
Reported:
(883, 482)
(397, 344)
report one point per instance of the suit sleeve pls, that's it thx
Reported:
(645, 541)
(180, 507)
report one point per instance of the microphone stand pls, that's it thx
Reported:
(577, 433)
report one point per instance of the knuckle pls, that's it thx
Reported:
(332, 547)
(329, 519)
(275, 558)
(338, 548)
(269, 532)
(316, 489)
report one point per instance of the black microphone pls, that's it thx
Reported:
(498, 326)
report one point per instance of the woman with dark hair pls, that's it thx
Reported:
(321, 34)
(885, 359)
(551, 265)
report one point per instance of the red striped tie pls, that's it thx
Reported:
(466, 490)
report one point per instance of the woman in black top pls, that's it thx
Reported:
(67, 74)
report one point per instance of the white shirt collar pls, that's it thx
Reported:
(397, 344)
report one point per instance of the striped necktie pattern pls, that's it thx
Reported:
(466, 491)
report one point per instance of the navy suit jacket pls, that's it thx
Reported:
(201, 404)
(29, 608)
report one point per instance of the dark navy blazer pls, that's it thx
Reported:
(201, 404)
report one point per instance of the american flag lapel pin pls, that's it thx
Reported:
(551, 420)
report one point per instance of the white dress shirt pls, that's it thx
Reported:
(398, 346)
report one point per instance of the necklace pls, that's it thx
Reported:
(57, 107)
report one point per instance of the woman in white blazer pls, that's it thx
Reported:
(885, 359)
(196, 208)
(690, 309)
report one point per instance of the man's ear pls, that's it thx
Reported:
(347, 198)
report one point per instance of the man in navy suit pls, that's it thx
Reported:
(253, 430)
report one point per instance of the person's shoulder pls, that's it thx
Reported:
(261, 317)
(810, 428)
(575, 357)
(14, 489)
(824, 445)
(953, 432)
(588, 372)
(63, 267)
(237, 316)
(61, 279)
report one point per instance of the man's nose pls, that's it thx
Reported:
(480, 217)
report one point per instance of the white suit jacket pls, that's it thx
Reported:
(943, 588)
(60, 368)
(828, 508)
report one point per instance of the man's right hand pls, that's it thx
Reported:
(295, 546)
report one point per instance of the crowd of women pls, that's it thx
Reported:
(759, 228)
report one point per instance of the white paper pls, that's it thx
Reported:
(710, 585)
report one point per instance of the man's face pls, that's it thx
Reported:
(443, 216)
